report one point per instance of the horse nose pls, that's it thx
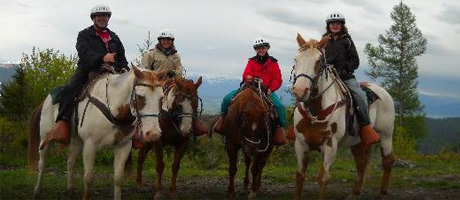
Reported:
(152, 136)
(300, 92)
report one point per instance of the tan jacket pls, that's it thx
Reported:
(156, 60)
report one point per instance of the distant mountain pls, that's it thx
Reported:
(441, 106)
(442, 133)
(6, 72)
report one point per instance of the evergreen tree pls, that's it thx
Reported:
(393, 64)
(144, 48)
(13, 100)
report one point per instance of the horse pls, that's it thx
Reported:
(323, 126)
(132, 103)
(249, 126)
(179, 108)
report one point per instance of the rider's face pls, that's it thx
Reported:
(166, 43)
(101, 21)
(335, 27)
(261, 51)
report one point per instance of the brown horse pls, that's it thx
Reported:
(248, 125)
(179, 108)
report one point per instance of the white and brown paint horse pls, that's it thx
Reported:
(132, 97)
(323, 127)
(179, 109)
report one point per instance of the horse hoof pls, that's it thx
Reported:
(37, 194)
(71, 192)
(157, 196)
(252, 195)
(173, 195)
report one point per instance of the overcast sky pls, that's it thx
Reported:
(215, 37)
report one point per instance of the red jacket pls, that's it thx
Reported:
(269, 72)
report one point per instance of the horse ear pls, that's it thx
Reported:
(198, 82)
(178, 83)
(300, 40)
(138, 72)
(322, 44)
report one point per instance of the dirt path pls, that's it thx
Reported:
(215, 188)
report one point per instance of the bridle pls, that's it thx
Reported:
(179, 114)
(133, 103)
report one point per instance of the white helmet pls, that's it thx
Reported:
(260, 41)
(165, 33)
(100, 9)
(334, 17)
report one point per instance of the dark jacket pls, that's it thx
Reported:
(343, 55)
(91, 50)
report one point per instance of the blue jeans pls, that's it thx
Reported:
(360, 101)
(279, 107)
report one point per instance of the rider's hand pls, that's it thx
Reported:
(110, 57)
(269, 92)
(248, 79)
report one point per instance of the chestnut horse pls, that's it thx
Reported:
(179, 109)
(130, 98)
(320, 119)
(249, 126)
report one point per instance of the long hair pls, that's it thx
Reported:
(343, 31)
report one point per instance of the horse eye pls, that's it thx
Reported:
(140, 97)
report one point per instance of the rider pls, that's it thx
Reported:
(96, 45)
(165, 57)
(267, 69)
(341, 52)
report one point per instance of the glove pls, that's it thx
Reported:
(248, 79)
(171, 74)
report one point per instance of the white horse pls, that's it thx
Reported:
(132, 101)
(323, 125)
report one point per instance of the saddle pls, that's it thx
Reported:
(262, 90)
(372, 97)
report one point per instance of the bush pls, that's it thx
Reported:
(404, 144)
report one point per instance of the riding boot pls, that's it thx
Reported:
(59, 133)
(368, 135)
(199, 129)
(280, 138)
(138, 141)
(291, 134)
(218, 126)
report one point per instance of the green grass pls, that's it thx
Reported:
(431, 172)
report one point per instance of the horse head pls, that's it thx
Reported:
(308, 63)
(254, 119)
(147, 94)
(182, 103)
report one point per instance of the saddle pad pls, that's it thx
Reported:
(371, 95)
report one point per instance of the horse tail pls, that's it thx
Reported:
(34, 139)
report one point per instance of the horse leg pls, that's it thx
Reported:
(75, 149)
(160, 166)
(89, 155)
(256, 170)
(302, 163)
(41, 169)
(387, 162)
(362, 159)
(330, 150)
(232, 151)
(120, 155)
(247, 162)
(178, 154)
(140, 164)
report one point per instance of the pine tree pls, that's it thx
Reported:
(144, 48)
(13, 101)
(393, 64)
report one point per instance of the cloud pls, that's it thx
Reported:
(450, 14)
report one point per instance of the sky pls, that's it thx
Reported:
(214, 37)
